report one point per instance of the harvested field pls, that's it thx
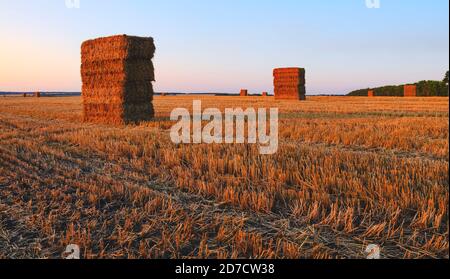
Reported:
(350, 171)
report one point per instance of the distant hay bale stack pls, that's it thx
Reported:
(244, 93)
(410, 91)
(371, 93)
(37, 94)
(265, 94)
(289, 84)
(24, 95)
(117, 74)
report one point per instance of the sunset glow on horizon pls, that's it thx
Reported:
(223, 46)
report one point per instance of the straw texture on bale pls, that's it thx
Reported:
(289, 84)
(289, 71)
(118, 48)
(244, 93)
(410, 90)
(117, 74)
(118, 70)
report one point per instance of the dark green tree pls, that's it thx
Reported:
(446, 78)
(425, 88)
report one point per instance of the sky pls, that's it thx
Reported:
(226, 45)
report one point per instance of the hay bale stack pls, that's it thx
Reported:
(117, 74)
(265, 94)
(410, 91)
(244, 93)
(289, 84)
(37, 94)
(371, 93)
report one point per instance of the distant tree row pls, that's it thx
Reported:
(426, 88)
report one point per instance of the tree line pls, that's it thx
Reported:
(425, 88)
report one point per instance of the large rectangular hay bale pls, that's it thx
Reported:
(132, 69)
(119, 93)
(118, 47)
(117, 74)
(293, 80)
(410, 91)
(291, 94)
(289, 83)
(289, 72)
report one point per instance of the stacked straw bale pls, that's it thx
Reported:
(371, 93)
(410, 91)
(117, 74)
(37, 94)
(289, 84)
(265, 94)
(244, 93)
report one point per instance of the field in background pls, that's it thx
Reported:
(349, 172)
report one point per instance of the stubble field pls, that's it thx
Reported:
(349, 172)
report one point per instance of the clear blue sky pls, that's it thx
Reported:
(225, 45)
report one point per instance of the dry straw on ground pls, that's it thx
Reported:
(350, 171)
(117, 74)
(289, 84)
